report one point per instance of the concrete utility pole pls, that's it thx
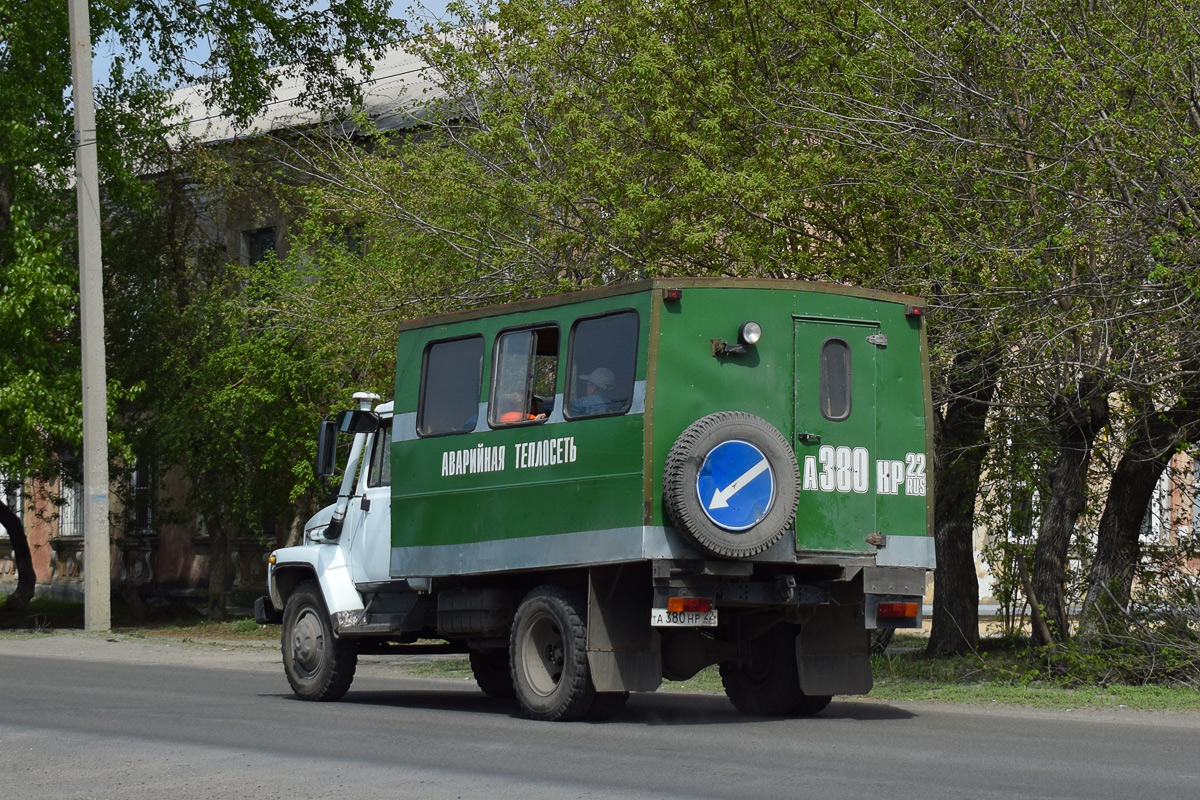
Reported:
(97, 612)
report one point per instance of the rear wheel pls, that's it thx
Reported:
(548, 648)
(318, 665)
(493, 673)
(880, 639)
(766, 682)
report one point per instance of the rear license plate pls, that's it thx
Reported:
(661, 618)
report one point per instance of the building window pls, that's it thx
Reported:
(14, 497)
(835, 380)
(1196, 497)
(603, 362)
(258, 244)
(451, 379)
(141, 497)
(70, 508)
(1156, 524)
(523, 376)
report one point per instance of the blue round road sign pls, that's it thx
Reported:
(736, 485)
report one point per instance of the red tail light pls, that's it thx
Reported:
(899, 610)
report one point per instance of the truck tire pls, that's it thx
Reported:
(493, 673)
(319, 666)
(548, 648)
(767, 682)
(756, 513)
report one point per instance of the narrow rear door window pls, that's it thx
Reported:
(835, 380)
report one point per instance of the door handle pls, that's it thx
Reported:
(804, 437)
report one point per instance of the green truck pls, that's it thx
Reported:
(591, 493)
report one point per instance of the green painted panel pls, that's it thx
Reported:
(543, 478)
(607, 473)
(903, 480)
(691, 383)
(503, 484)
(835, 434)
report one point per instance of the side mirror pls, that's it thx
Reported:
(356, 421)
(326, 448)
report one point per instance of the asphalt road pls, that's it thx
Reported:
(83, 717)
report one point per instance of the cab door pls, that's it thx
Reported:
(835, 380)
(368, 519)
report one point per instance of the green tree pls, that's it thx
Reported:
(230, 385)
(1029, 168)
(245, 52)
(595, 142)
(240, 416)
(39, 391)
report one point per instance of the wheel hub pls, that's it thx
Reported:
(308, 644)
(545, 644)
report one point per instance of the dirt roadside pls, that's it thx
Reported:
(239, 654)
(123, 648)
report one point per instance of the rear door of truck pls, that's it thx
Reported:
(835, 426)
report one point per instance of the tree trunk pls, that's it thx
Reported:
(1117, 543)
(1081, 418)
(18, 601)
(304, 510)
(1110, 582)
(218, 568)
(960, 445)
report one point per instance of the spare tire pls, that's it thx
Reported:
(731, 483)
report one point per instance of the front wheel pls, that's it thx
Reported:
(319, 666)
(548, 648)
(767, 681)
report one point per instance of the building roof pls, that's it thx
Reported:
(397, 95)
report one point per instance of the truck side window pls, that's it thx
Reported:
(834, 376)
(379, 473)
(524, 373)
(603, 362)
(451, 378)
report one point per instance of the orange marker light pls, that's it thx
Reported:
(700, 605)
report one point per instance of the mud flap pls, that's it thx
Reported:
(265, 612)
(624, 652)
(833, 652)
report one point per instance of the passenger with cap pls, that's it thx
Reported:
(594, 400)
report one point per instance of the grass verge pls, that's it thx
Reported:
(1010, 672)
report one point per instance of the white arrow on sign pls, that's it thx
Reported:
(721, 496)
